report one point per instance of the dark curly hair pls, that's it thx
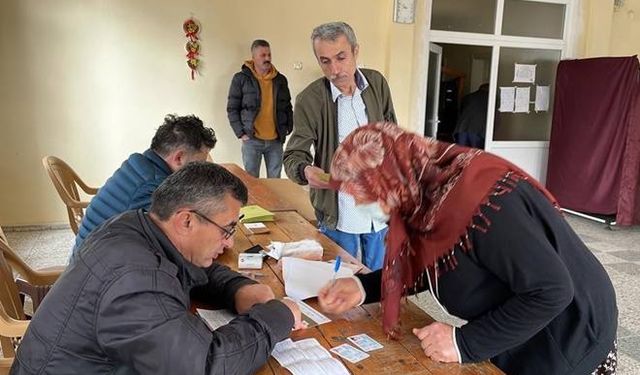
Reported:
(182, 131)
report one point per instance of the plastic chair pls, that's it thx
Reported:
(66, 182)
(13, 323)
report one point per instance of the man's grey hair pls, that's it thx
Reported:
(259, 43)
(198, 186)
(332, 30)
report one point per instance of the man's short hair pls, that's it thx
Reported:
(199, 186)
(259, 43)
(182, 132)
(332, 30)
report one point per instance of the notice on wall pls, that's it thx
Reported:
(507, 96)
(522, 100)
(542, 99)
(524, 73)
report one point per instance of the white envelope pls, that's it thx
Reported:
(304, 278)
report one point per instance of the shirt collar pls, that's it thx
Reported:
(361, 84)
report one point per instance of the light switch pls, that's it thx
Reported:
(297, 65)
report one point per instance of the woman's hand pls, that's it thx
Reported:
(340, 295)
(436, 341)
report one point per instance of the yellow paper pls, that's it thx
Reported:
(255, 213)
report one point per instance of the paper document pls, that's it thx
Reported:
(522, 99)
(304, 278)
(507, 99)
(307, 249)
(525, 73)
(542, 98)
(255, 213)
(310, 316)
(216, 318)
(307, 357)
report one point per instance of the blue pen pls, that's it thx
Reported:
(336, 267)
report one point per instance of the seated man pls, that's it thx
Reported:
(123, 306)
(179, 140)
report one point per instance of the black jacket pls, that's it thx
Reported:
(537, 300)
(243, 104)
(123, 308)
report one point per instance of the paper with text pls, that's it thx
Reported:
(507, 99)
(542, 98)
(524, 73)
(307, 357)
(522, 99)
(304, 278)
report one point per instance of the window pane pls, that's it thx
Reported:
(474, 16)
(534, 19)
(532, 126)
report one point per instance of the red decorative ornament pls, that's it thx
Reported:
(191, 28)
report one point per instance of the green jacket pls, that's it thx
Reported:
(315, 123)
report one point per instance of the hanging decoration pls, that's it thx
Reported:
(191, 28)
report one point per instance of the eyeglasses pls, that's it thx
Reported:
(227, 232)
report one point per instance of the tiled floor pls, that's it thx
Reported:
(617, 249)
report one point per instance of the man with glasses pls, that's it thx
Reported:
(123, 307)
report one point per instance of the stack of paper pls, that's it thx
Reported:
(304, 278)
(307, 357)
(255, 214)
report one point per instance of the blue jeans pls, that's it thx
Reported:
(371, 244)
(252, 152)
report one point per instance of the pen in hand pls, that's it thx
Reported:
(336, 267)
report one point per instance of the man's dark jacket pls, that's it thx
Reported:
(243, 104)
(123, 308)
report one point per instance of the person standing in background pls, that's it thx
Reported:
(326, 112)
(259, 111)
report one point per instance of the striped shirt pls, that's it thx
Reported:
(352, 114)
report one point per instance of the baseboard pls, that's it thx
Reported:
(37, 227)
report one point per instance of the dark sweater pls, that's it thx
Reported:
(537, 300)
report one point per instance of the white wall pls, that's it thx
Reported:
(90, 80)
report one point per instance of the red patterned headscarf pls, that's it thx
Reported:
(434, 191)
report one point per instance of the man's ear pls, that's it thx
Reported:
(356, 49)
(182, 223)
(176, 159)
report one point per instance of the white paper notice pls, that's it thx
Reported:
(542, 98)
(306, 357)
(507, 99)
(522, 99)
(304, 278)
(524, 73)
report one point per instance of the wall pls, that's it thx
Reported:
(90, 81)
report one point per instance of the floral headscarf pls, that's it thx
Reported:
(434, 191)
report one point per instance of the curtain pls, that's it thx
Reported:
(594, 150)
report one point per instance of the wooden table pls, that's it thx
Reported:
(259, 193)
(398, 357)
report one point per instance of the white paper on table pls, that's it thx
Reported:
(310, 249)
(304, 278)
(525, 73)
(216, 318)
(542, 98)
(507, 99)
(522, 99)
(307, 357)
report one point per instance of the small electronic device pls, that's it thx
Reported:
(249, 261)
(257, 249)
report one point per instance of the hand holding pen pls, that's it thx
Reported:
(339, 295)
